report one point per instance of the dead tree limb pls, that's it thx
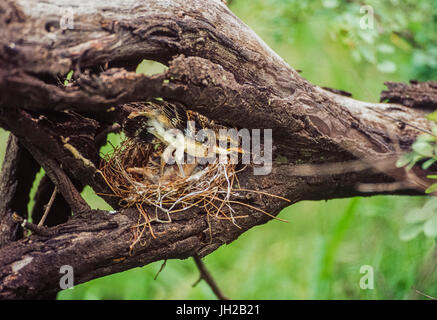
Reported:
(416, 94)
(217, 66)
(18, 172)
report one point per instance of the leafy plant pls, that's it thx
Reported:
(68, 78)
(401, 31)
(421, 220)
(424, 150)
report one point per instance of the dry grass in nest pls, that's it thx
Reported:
(134, 174)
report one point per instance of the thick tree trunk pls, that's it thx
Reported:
(216, 66)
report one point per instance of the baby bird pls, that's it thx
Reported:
(173, 126)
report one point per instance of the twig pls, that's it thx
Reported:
(160, 269)
(47, 232)
(205, 275)
(49, 205)
(425, 295)
(197, 281)
(39, 230)
(59, 179)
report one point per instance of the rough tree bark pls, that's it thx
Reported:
(217, 66)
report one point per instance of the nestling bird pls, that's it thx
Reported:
(173, 125)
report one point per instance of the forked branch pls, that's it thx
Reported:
(216, 66)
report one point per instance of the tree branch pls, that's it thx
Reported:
(216, 66)
(415, 95)
(18, 172)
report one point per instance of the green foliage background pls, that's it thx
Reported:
(318, 254)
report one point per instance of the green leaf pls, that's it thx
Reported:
(432, 116)
(422, 214)
(416, 157)
(330, 3)
(403, 160)
(423, 148)
(432, 176)
(425, 138)
(430, 227)
(410, 231)
(356, 55)
(368, 55)
(428, 163)
(431, 188)
(385, 48)
(367, 37)
(416, 215)
(68, 77)
(386, 66)
(430, 205)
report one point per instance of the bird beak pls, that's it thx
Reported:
(139, 114)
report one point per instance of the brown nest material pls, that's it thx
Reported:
(134, 174)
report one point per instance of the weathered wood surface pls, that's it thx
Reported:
(217, 66)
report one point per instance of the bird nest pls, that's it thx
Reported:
(135, 175)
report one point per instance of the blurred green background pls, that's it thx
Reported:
(319, 253)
